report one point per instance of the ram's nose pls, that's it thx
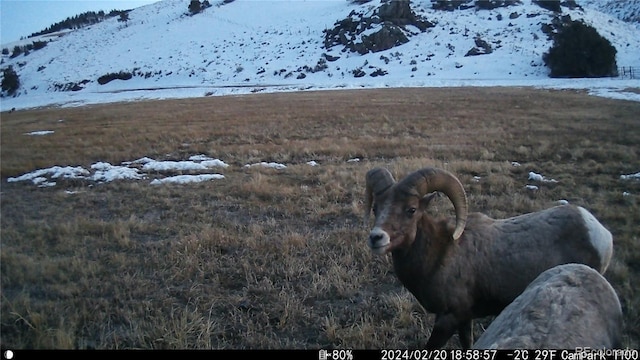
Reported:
(378, 241)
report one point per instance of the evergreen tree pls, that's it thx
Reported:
(10, 80)
(17, 50)
(579, 51)
(124, 17)
(194, 6)
(37, 45)
(78, 21)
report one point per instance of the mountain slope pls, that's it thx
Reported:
(626, 10)
(248, 46)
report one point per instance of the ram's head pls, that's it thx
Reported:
(398, 206)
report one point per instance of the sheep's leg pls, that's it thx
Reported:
(444, 328)
(465, 332)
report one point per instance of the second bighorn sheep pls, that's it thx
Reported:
(478, 265)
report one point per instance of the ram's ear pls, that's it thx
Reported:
(426, 200)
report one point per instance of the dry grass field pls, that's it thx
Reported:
(269, 258)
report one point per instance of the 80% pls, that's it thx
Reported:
(335, 355)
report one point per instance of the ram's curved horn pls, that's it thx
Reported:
(429, 179)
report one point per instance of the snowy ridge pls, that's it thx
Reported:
(251, 46)
(625, 10)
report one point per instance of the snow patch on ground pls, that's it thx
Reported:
(104, 172)
(40, 133)
(272, 165)
(187, 179)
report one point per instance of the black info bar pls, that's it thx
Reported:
(337, 354)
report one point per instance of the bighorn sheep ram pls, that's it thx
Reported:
(566, 307)
(477, 267)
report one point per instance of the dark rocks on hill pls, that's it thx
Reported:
(384, 29)
(557, 23)
(72, 86)
(399, 13)
(494, 4)
(387, 37)
(451, 5)
(482, 47)
(330, 57)
(552, 5)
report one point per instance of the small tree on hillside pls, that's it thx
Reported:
(579, 51)
(17, 50)
(194, 6)
(124, 17)
(10, 80)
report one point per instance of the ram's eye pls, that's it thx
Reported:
(411, 211)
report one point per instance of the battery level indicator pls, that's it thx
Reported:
(335, 354)
(322, 354)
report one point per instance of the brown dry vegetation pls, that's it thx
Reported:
(278, 259)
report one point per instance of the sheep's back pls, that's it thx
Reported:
(510, 253)
(558, 235)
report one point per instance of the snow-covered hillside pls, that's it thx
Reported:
(626, 10)
(251, 46)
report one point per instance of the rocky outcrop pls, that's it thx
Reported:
(451, 5)
(493, 4)
(387, 27)
(482, 47)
